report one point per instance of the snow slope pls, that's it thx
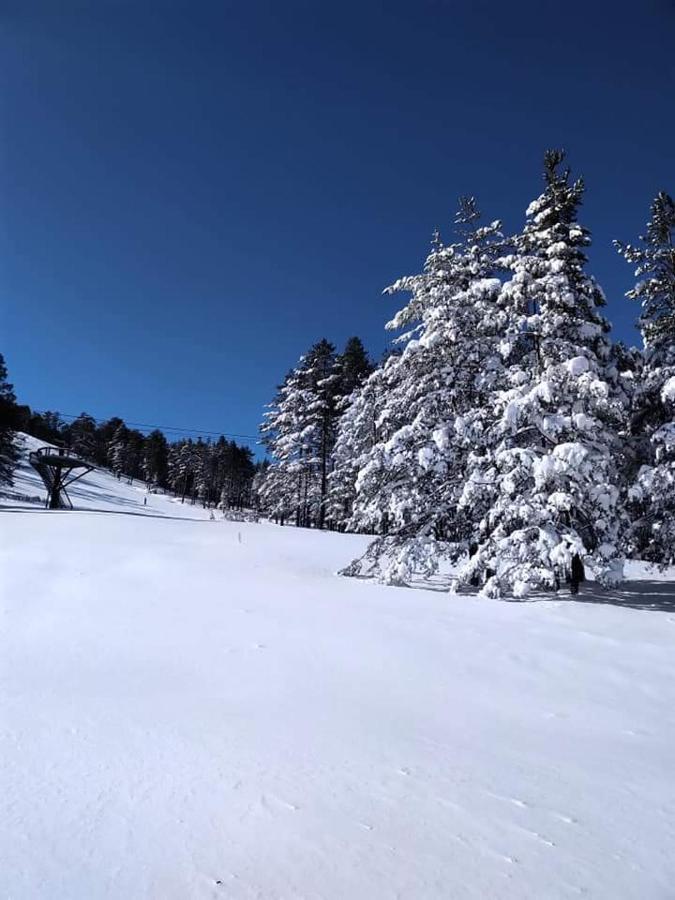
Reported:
(99, 490)
(197, 709)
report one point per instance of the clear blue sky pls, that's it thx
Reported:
(192, 193)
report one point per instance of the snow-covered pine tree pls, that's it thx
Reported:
(223, 459)
(543, 486)
(299, 433)
(322, 384)
(187, 469)
(204, 460)
(134, 455)
(8, 449)
(82, 436)
(352, 367)
(259, 476)
(155, 459)
(408, 480)
(243, 470)
(104, 436)
(281, 492)
(173, 466)
(651, 497)
(181, 467)
(356, 435)
(117, 450)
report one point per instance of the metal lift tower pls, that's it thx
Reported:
(56, 465)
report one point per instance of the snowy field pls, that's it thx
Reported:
(199, 709)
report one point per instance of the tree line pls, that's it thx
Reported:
(507, 432)
(504, 431)
(219, 472)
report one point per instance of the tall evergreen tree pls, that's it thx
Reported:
(651, 498)
(543, 485)
(134, 455)
(353, 366)
(407, 416)
(299, 432)
(185, 469)
(47, 426)
(117, 450)
(321, 382)
(155, 459)
(104, 437)
(203, 473)
(281, 492)
(82, 436)
(8, 421)
(357, 434)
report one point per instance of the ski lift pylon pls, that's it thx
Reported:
(56, 466)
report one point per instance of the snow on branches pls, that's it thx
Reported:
(504, 434)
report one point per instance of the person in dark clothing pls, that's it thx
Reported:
(577, 574)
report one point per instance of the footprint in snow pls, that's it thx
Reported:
(521, 804)
(540, 837)
(568, 820)
(266, 798)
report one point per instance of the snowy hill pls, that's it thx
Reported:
(199, 709)
(99, 490)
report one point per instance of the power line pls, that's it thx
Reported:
(172, 428)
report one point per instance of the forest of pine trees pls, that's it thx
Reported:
(212, 473)
(508, 434)
(504, 432)
(300, 430)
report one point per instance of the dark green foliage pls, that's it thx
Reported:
(354, 366)
(216, 474)
(104, 435)
(655, 261)
(47, 426)
(300, 431)
(650, 497)
(156, 459)
(8, 425)
(81, 436)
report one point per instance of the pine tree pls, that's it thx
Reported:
(185, 469)
(134, 455)
(257, 484)
(173, 466)
(543, 482)
(321, 383)
(352, 366)
(8, 447)
(299, 432)
(203, 471)
(155, 459)
(408, 415)
(82, 436)
(225, 473)
(356, 435)
(104, 437)
(117, 450)
(47, 426)
(651, 497)
(281, 492)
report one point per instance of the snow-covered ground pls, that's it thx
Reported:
(199, 709)
(98, 490)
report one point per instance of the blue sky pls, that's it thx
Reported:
(193, 193)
